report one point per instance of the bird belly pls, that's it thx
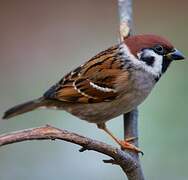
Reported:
(101, 112)
(104, 111)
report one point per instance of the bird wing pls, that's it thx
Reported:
(91, 82)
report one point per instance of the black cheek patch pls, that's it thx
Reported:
(148, 60)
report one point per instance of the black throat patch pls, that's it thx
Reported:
(165, 64)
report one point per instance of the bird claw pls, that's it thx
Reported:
(126, 145)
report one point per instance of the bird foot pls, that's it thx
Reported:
(125, 144)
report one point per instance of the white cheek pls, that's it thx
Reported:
(157, 66)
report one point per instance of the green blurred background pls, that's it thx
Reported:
(41, 40)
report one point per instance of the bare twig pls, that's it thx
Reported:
(131, 118)
(131, 130)
(125, 14)
(119, 157)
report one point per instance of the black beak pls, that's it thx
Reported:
(176, 55)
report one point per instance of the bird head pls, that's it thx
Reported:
(151, 52)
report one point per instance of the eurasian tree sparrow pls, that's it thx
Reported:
(113, 82)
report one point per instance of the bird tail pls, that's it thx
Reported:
(25, 107)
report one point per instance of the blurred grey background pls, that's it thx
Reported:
(42, 40)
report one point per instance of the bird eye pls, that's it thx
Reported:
(159, 49)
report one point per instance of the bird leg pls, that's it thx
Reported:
(123, 143)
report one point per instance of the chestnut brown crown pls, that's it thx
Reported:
(138, 42)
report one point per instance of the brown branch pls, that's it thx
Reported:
(131, 118)
(131, 130)
(127, 162)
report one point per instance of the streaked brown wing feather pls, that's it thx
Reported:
(92, 82)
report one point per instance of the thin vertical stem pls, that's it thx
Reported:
(131, 118)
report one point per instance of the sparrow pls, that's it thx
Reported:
(113, 82)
